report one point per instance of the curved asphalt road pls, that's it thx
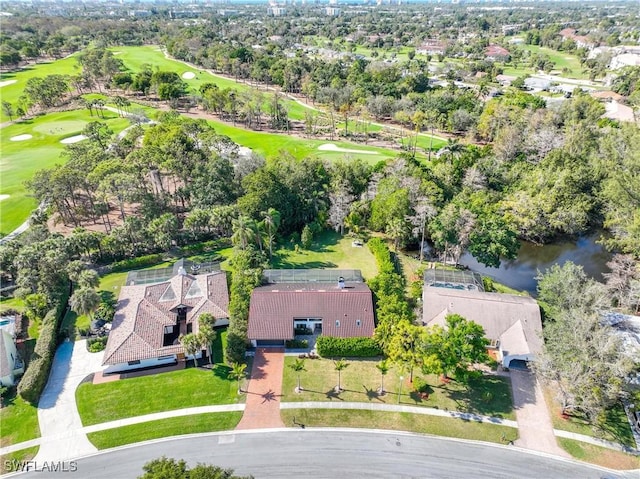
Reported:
(331, 453)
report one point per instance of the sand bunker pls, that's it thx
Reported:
(118, 53)
(73, 139)
(3, 197)
(7, 82)
(20, 138)
(332, 147)
(188, 75)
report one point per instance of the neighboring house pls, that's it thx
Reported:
(10, 363)
(431, 46)
(150, 318)
(329, 302)
(512, 323)
(496, 53)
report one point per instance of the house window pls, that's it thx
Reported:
(133, 363)
(168, 329)
(337, 323)
(358, 322)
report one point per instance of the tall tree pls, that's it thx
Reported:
(383, 367)
(191, 344)
(84, 301)
(237, 372)
(340, 366)
(298, 367)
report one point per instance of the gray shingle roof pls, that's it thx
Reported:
(274, 307)
(142, 312)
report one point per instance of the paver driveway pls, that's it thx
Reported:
(262, 408)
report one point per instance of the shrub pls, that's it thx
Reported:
(296, 344)
(420, 385)
(95, 345)
(329, 346)
(34, 379)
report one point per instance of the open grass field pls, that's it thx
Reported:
(21, 159)
(489, 396)
(19, 420)
(10, 93)
(189, 387)
(21, 455)
(616, 427)
(394, 421)
(177, 426)
(329, 250)
(599, 455)
(561, 59)
(11, 303)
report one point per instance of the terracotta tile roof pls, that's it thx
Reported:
(274, 307)
(142, 312)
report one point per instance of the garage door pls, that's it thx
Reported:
(274, 343)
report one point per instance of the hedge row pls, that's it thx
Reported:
(382, 254)
(331, 347)
(136, 263)
(35, 378)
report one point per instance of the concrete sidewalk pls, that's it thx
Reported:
(57, 411)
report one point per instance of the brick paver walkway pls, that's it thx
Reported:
(263, 392)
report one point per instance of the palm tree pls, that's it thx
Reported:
(339, 366)
(383, 367)
(206, 336)
(237, 372)
(243, 232)
(271, 222)
(298, 367)
(88, 279)
(84, 301)
(191, 344)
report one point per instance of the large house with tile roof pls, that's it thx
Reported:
(151, 318)
(512, 323)
(330, 302)
(11, 364)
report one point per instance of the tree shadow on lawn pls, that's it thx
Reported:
(488, 397)
(283, 264)
(373, 394)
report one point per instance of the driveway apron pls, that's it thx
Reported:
(60, 425)
(264, 390)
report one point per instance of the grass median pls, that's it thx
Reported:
(438, 426)
(175, 426)
(19, 420)
(599, 455)
(13, 462)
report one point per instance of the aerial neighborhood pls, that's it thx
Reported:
(312, 221)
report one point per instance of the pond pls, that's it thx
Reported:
(520, 273)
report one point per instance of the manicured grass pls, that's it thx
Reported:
(561, 59)
(21, 455)
(616, 427)
(21, 159)
(599, 455)
(72, 323)
(176, 426)
(19, 420)
(361, 379)
(190, 387)
(271, 145)
(439, 426)
(11, 93)
(329, 250)
(11, 303)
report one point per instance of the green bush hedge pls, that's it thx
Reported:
(382, 254)
(296, 343)
(35, 378)
(95, 345)
(331, 347)
(136, 263)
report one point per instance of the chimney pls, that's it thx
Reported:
(182, 271)
(341, 282)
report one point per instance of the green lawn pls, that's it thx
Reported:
(7, 303)
(177, 426)
(11, 93)
(21, 455)
(190, 387)
(21, 159)
(616, 427)
(439, 426)
(19, 421)
(361, 379)
(329, 250)
(599, 455)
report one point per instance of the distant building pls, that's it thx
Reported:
(496, 53)
(11, 364)
(581, 40)
(431, 46)
(332, 11)
(625, 60)
(277, 11)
